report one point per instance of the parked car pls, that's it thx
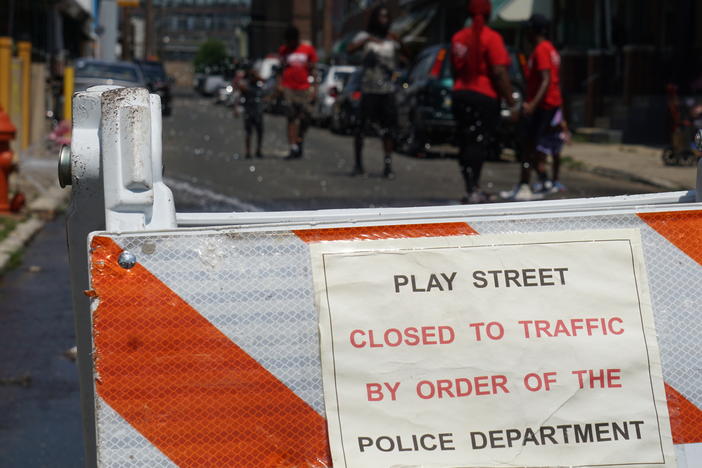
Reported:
(157, 81)
(424, 103)
(330, 86)
(347, 106)
(91, 72)
(267, 67)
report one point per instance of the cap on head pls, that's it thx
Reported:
(292, 34)
(479, 8)
(538, 23)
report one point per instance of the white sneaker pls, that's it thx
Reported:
(509, 194)
(543, 187)
(521, 192)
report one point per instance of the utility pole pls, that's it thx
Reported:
(150, 33)
(108, 37)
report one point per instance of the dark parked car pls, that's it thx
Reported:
(91, 72)
(158, 82)
(347, 107)
(424, 103)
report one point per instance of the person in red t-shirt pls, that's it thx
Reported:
(480, 62)
(296, 83)
(542, 108)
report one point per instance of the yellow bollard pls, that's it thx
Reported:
(24, 51)
(5, 71)
(68, 74)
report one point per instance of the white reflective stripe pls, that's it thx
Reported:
(689, 455)
(122, 446)
(378, 216)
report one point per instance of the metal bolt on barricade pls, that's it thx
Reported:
(188, 335)
(64, 166)
(127, 260)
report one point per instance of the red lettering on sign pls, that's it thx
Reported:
(599, 378)
(462, 387)
(572, 327)
(410, 336)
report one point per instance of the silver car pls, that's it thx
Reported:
(91, 72)
(329, 89)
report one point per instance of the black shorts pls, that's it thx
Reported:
(539, 125)
(379, 110)
(253, 120)
(476, 116)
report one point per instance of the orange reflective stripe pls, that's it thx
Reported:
(385, 232)
(184, 385)
(685, 418)
(681, 228)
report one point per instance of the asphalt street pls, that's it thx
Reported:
(205, 167)
(40, 423)
(203, 147)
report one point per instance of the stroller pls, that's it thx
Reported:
(685, 120)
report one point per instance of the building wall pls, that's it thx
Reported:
(269, 18)
(181, 26)
(181, 71)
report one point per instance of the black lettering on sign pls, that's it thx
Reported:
(407, 443)
(526, 277)
(564, 434)
(434, 282)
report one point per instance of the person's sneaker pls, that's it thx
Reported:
(557, 187)
(294, 153)
(474, 197)
(509, 194)
(544, 186)
(388, 173)
(521, 192)
(357, 171)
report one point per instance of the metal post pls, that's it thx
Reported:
(25, 55)
(108, 38)
(5, 71)
(115, 169)
(68, 78)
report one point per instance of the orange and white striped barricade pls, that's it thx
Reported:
(560, 333)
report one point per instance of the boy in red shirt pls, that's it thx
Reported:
(480, 62)
(542, 108)
(298, 60)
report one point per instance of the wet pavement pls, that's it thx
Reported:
(40, 422)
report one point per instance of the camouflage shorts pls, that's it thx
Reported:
(298, 103)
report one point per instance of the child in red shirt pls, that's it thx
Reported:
(542, 109)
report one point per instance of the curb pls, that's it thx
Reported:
(41, 210)
(626, 175)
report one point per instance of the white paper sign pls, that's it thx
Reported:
(491, 351)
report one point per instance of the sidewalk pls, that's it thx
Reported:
(632, 162)
(37, 180)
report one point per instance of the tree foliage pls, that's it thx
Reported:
(211, 54)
